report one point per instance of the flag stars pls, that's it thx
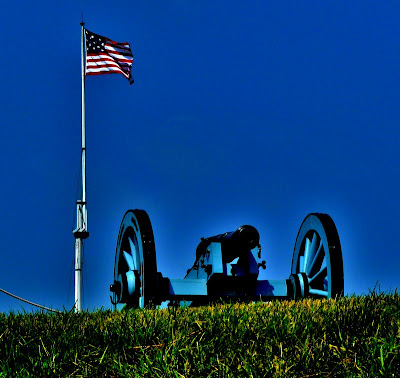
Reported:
(94, 42)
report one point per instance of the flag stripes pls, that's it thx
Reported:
(104, 56)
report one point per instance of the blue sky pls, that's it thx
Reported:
(249, 112)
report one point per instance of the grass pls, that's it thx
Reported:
(353, 336)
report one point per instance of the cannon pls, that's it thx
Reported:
(226, 266)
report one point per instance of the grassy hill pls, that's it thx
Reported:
(354, 336)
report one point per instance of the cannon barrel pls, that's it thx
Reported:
(233, 243)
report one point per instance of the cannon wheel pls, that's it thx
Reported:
(317, 264)
(135, 260)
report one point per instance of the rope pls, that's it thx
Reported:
(29, 302)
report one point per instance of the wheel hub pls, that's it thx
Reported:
(300, 284)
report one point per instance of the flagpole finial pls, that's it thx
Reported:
(82, 23)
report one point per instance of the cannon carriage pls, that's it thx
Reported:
(226, 266)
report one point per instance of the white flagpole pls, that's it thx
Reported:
(81, 233)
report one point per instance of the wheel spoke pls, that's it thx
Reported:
(306, 253)
(312, 249)
(132, 246)
(300, 263)
(129, 260)
(316, 260)
(322, 293)
(319, 276)
(134, 252)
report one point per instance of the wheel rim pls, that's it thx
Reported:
(135, 267)
(317, 257)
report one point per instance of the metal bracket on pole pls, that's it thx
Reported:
(81, 230)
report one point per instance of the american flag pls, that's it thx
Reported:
(104, 56)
